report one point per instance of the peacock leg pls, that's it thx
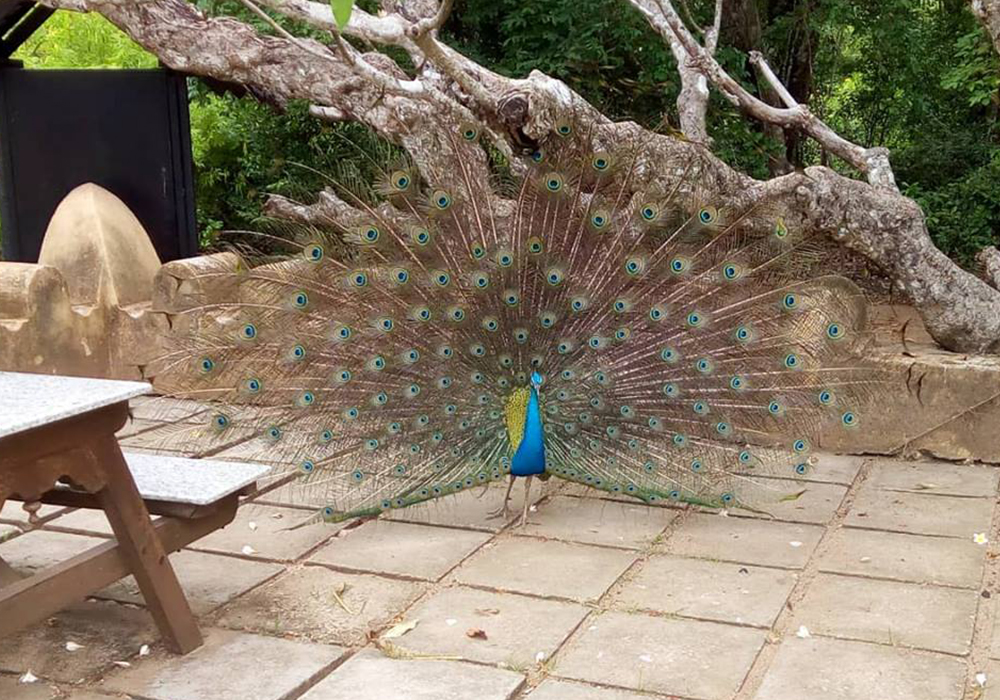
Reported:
(503, 511)
(527, 502)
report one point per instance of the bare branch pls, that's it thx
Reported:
(712, 35)
(758, 62)
(433, 23)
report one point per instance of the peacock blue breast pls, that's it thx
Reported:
(530, 455)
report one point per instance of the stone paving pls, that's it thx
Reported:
(879, 583)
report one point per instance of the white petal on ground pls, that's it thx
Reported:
(803, 632)
(73, 646)
(248, 550)
(144, 650)
(28, 677)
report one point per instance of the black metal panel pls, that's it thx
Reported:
(126, 130)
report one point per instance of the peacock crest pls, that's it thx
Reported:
(648, 340)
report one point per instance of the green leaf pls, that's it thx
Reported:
(342, 11)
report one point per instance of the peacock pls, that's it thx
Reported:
(569, 316)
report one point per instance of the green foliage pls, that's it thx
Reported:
(342, 11)
(75, 40)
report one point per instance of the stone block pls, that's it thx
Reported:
(920, 514)
(552, 689)
(745, 540)
(264, 532)
(598, 521)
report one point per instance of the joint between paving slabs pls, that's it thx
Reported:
(983, 627)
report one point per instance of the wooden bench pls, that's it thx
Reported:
(58, 446)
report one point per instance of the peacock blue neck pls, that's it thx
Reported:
(530, 456)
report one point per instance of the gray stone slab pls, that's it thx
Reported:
(689, 658)
(195, 481)
(745, 540)
(31, 400)
(8, 532)
(598, 521)
(386, 547)
(106, 632)
(39, 549)
(208, 580)
(887, 612)
(817, 503)
(12, 689)
(368, 674)
(835, 469)
(471, 508)
(709, 590)
(302, 603)
(939, 478)
(833, 669)
(904, 557)
(548, 568)
(553, 689)
(920, 513)
(230, 666)
(13, 512)
(518, 629)
(992, 690)
(266, 530)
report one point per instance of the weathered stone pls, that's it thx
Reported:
(904, 557)
(552, 689)
(744, 540)
(899, 614)
(419, 551)
(368, 674)
(265, 530)
(106, 632)
(322, 605)
(526, 565)
(832, 669)
(920, 514)
(208, 580)
(12, 689)
(675, 657)
(935, 478)
(707, 589)
(598, 521)
(38, 549)
(815, 502)
(517, 630)
(835, 469)
(230, 665)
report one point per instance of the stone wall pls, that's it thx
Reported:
(100, 304)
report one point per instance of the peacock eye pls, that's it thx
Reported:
(313, 252)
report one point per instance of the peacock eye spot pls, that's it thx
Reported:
(314, 252)
(469, 134)
(600, 163)
(648, 213)
(564, 129)
(402, 182)
(249, 331)
(478, 252)
(538, 156)
(207, 365)
(301, 300)
(371, 234)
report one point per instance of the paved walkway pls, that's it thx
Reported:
(878, 583)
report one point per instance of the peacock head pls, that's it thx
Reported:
(537, 380)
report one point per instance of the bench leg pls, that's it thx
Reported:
(143, 553)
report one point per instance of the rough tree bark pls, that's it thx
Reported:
(960, 310)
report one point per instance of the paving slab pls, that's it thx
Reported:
(13, 512)
(816, 503)
(547, 568)
(106, 632)
(690, 658)
(471, 509)
(420, 551)
(89, 521)
(167, 410)
(937, 478)
(920, 514)
(39, 549)
(552, 689)
(369, 674)
(517, 628)
(708, 590)
(302, 603)
(12, 689)
(745, 540)
(229, 666)
(265, 532)
(598, 521)
(833, 669)
(992, 689)
(887, 612)
(903, 557)
(835, 469)
(208, 580)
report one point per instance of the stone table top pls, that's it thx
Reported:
(31, 400)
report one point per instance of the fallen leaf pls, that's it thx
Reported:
(795, 543)
(248, 550)
(73, 646)
(793, 496)
(451, 622)
(475, 633)
(487, 611)
(927, 487)
(123, 664)
(252, 525)
(144, 650)
(400, 629)
(803, 632)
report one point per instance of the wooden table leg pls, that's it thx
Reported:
(143, 552)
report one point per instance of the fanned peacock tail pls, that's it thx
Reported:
(388, 362)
